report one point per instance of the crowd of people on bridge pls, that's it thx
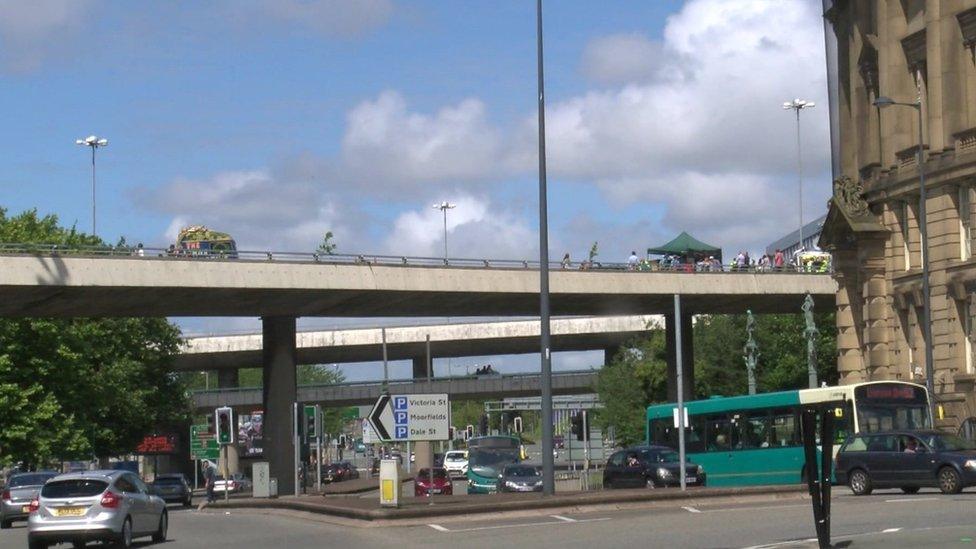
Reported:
(801, 261)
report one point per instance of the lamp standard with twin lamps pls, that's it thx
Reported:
(882, 102)
(444, 206)
(798, 105)
(94, 142)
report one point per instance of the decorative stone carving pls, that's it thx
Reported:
(849, 195)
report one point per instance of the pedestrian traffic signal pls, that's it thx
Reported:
(313, 422)
(450, 433)
(517, 424)
(469, 432)
(225, 425)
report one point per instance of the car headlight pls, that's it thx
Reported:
(971, 464)
(663, 473)
(511, 484)
(701, 470)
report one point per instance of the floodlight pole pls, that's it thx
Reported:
(545, 381)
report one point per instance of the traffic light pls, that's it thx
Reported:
(342, 441)
(469, 432)
(450, 432)
(517, 424)
(483, 424)
(506, 419)
(313, 422)
(225, 425)
(577, 428)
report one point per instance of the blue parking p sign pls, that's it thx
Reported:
(401, 432)
(400, 403)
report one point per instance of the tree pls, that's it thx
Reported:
(328, 246)
(635, 377)
(73, 388)
(593, 252)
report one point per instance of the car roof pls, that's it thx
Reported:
(916, 432)
(104, 474)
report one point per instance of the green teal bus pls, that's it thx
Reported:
(755, 439)
(487, 456)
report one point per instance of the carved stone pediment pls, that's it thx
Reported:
(849, 195)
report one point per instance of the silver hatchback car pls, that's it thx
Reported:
(16, 496)
(113, 506)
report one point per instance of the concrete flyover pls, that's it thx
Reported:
(460, 388)
(33, 285)
(409, 342)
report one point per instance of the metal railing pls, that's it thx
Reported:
(487, 377)
(178, 254)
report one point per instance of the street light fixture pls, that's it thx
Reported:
(94, 142)
(882, 102)
(444, 206)
(798, 105)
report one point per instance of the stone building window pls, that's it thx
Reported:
(965, 314)
(967, 23)
(965, 222)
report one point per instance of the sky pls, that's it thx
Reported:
(279, 120)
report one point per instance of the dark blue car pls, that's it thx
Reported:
(908, 460)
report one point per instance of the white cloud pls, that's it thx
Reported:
(342, 18)
(31, 31)
(388, 147)
(622, 59)
(475, 230)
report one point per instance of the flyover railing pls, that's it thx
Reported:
(179, 254)
(404, 381)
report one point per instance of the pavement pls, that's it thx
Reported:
(886, 519)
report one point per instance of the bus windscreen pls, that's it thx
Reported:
(887, 406)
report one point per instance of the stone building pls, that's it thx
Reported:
(908, 50)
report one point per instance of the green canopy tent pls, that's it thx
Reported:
(685, 245)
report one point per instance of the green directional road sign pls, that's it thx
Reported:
(203, 445)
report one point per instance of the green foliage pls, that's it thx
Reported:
(73, 388)
(467, 412)
(328, 246)
(593, 251)
(637, 375)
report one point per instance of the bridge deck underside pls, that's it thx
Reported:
(90, 301)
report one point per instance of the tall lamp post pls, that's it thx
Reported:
(443, 207)
(882, 102)
(545, 379)
(94, 142)
(798, 105)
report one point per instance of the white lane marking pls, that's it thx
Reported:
(782, 543)
(562, 518)
(691, 509)
(890, 530)
(440, 528)
(906, 500)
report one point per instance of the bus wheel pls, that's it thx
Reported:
(949, 481)
(859, 482)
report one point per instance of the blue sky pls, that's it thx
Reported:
(276, 120)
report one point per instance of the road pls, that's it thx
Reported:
(884, 520)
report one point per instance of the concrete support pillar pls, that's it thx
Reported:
(420, 368)
(687, 357)
(424, 455)
(228, 378)
(280, 392)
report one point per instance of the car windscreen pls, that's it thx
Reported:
(424, 474)
(29, 480)
(73, 488)
(520, 472)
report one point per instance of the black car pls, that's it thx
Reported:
(174, 488)
(652, 466)
(908, 460)
(520, 478)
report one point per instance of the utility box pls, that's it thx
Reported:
(262, 479)
(273, 487)
(390, 483)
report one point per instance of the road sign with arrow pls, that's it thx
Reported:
(400, 418)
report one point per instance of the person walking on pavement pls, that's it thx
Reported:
(210, 478)
(632, 261)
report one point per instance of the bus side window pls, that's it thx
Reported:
(695, 434)
(785, 430)
(718, 433)
(754, 429)
(664, 433)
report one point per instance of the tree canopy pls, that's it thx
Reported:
(637, 375)
(77, 388)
